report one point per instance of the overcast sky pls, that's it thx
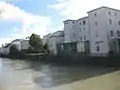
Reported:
(20, 18)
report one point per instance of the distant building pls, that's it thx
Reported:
(5, 49)
(17, 42)
(52, 40)
(46, 38)
(25, 45)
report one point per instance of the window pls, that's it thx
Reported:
(96, 23)
(111, 33)
(118, 33)
(95, 14)
(84, 38)
(98, 48)
(73, 27)
(80, 38)
(74, 34)
(118, 22)
(80, 30)
(80, 23)
(109, 13)
(110, 21)
(97, 34)
(115, 14)
(83, 22)
(84, 29)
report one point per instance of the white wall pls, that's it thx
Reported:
(70, 31)
(25, 44)
(53, 42)
(98, 33)
(18, 44)
(83, 29)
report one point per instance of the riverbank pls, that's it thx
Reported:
(71, 59)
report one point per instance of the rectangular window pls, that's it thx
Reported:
(73, 27)
(118, 22)
(115, 14)
(80, 23)
(109, 13)
(84, 28)
(111, 33)
(118, 33)
(96, 23)
(97, 35)
(95, 14)
(83, 22)
(98, 48)
(110, 21)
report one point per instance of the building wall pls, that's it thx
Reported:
(83, 29)
(53, 42)
(70, 31)
(102, 21)
(25, 44)
(46, 38)
(98, 31)
(18, 44)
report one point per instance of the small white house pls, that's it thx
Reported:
(53, 40)
(25, 45)
(17, 42)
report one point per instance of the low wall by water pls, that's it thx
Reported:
(72, 59)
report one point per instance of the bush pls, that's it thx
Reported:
(14, 51)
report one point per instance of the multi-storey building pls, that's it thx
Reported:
(98, 33)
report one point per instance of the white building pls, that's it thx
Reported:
(53, 40)
(99, 31)
(5, 49)
(25, 45)
(46, 38)
(17, 42)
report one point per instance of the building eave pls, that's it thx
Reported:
(103, 7)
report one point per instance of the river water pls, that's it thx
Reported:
(36, 75)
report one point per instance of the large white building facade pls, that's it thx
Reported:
(98, 33)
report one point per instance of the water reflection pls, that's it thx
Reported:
(33, 75)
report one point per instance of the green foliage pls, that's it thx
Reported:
(14, 51)
(45, 47)
(35, 42)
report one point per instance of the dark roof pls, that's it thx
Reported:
(103, 7)
(83, 18)
(16, 40)
(7, 45)
(69, 20)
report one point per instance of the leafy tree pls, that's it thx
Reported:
(14, 51)
(35, 41)
(45, 47)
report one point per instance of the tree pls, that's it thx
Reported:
(45, 47)
(14, 51)
(35, 42)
